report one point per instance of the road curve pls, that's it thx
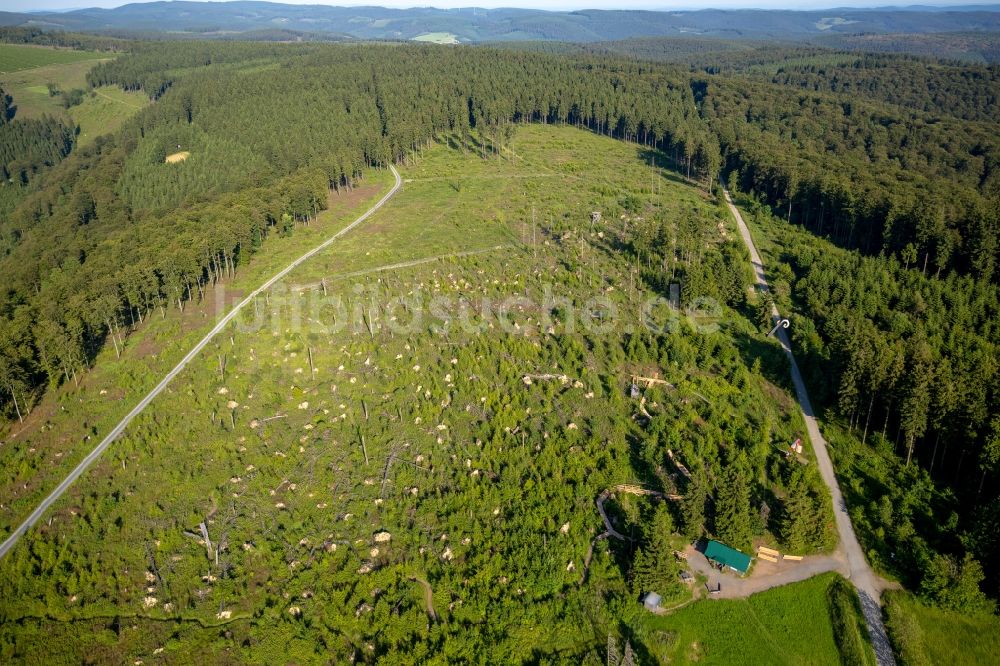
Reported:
(868, 584)
(117, 430)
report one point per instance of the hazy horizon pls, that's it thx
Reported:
(550, 5)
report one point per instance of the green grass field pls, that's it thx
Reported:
(437, 38)
(924, 635)
(17, 57)
(103, 110)
(786, 625)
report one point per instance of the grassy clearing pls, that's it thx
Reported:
(102, 111)
(318, 423)
(17, 57)
(456, 205)
(923, 634)
(30, 92)
(786, 625)
(437, 38)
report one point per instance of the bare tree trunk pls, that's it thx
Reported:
(16, 406)
(885, 426)
(118, 353)
(937, 440)
(208, 542)
(871, 403)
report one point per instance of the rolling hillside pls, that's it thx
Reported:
(473, 25)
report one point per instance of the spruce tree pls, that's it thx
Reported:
(732, 512)
(654, 568)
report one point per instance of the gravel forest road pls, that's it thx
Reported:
(40, 510)
(867, 582)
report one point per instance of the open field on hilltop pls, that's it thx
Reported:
(437, 38)
(455, 205)
(30, 92)
(102, 110)
(339, 446)
(16, 57)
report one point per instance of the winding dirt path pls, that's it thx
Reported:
(397, 266)
(428, 596)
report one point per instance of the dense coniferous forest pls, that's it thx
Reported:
(875, 177)
(962, 91)
(39, 37)
(26, 146)
(909, 363)
(920, 187)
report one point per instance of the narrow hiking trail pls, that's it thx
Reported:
(428, 597)
(868, 584)
(91, 457)
(396, 266)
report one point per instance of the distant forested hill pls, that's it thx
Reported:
(475, 25)
(971, 46)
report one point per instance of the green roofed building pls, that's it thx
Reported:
(727, 557)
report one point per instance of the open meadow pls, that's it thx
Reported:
(26, 73)
(787, 625)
